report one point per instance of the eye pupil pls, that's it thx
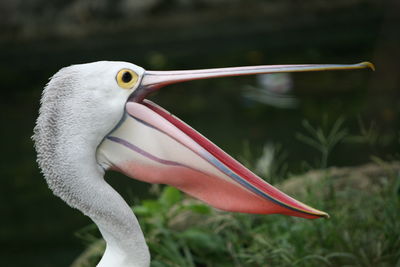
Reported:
(126, 77)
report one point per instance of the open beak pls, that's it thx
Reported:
(152, 145)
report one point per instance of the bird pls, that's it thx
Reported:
(95, 117)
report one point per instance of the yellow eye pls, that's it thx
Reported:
(127, 78)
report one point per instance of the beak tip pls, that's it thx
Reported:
(321, 214)
(367, 64)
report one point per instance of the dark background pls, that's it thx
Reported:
(39, 37)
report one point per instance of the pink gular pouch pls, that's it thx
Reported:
(153, 146)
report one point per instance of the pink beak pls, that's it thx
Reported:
(152, 145)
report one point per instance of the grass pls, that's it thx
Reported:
(323, 141)
(364, 228)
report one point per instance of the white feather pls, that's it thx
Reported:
(79, 106)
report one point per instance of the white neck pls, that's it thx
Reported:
(126, 245)
(119, 227)
(75, 176)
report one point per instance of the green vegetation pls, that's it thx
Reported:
(322, 140)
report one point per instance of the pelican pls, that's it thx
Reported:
(95, 117)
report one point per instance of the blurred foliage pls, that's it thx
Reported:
(322, 140)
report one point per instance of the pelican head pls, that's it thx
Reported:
(94, 117)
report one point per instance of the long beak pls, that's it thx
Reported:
(154, 80)
(152, 145)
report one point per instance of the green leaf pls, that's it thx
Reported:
(141, 210)
(199, 208)
(202, 240)
(170, 196)
(152, 206)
